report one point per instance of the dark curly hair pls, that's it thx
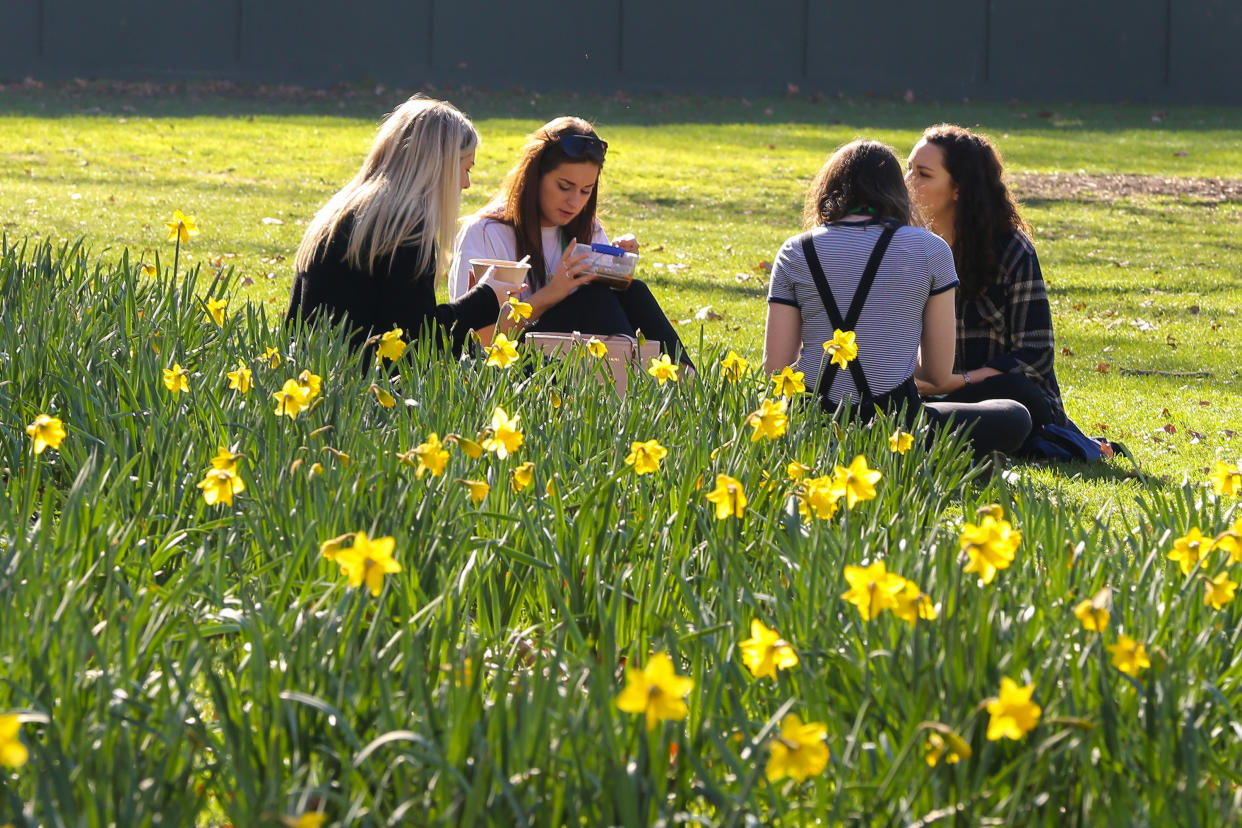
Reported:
(860, 177)
(987, 214)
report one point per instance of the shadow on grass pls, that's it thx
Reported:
(224, 99)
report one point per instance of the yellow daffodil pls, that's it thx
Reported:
(733, 367)
(799, 752)
(656, 691)
(215, 311)
(645, 457)
(310, 383)
(788, 382)
(431, 456)
(1093, 612)
(315, 470)
(242, 379)
(765, 651)
(13, 754)
(770, 420)
(899, 442)
(596, 348)
(478, 490)
(522, 476)
(391, 346)
(291, 399)
(855, 482)
(505, 437)
(1219, 590)
(502, 352)
(331, 547)
(150, 271)
(663, 369)
(1230, 541)
(518, 310)
(1013, 714)
(469, 447)
(1189, 549)
(728, 497)
(310, 819)
(225, 460)
(382, 397)
(817, 499)
(1226, 479)
(796, 470)
(913, 604)
(46, 431)
(990, 545)
(368, 560)
(841, 348)
(181, 228)
(873, 589)
(950, 747)
(219, 485)
(1129, 656)
(175, 379)
(272, 355)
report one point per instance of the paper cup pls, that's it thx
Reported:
(513, 274)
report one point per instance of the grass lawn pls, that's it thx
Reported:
(1144, 283)
(451, 593)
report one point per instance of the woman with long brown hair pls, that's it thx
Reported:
(548, 201)
(863, 270)
(1004, 330)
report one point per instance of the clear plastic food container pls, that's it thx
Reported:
(612, 265)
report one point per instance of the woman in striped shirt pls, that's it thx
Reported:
(862, 268)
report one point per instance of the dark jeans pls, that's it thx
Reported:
(997, 425)
(1016, 387)
(600, 310)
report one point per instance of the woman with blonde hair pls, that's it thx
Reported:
(548, 201)
(371, 254)
(862, 269)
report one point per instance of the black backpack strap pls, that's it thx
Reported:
(828, 372)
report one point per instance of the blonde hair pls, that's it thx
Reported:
(407, 192)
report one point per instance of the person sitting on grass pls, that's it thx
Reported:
(1004, 329)
(862, 277)
(370, 255)
(547, 203)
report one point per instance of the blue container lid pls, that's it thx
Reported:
(607, 248)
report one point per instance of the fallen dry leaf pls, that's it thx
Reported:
(706, 314)
(1103, 367)
(1169, 428)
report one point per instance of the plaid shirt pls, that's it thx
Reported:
(1008, 326)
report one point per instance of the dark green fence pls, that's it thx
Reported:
(1174, 51)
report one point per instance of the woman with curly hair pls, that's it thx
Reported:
(1004, 324)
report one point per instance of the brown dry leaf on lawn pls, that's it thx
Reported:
(741, 277)
(1103, 367)
(706, 314)
(764, 266)
(1169, 428)
(1196, 436)
(1066, 352)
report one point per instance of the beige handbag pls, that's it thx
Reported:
(622, 351)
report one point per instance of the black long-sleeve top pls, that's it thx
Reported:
(395, 294)
(1008, 326)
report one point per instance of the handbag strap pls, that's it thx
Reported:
(828, 370)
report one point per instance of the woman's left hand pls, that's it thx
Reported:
(627, 243)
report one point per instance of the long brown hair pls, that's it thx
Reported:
(986, 214)
(860, 177)
(517, 203)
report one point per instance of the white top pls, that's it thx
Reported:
(917, 265)
(485, 238)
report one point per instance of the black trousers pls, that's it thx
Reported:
(598, 309)
(996, 425)
(1016, 387)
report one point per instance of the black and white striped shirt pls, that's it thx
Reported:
(917, 264)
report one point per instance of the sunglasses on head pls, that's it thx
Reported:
(577, 146)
